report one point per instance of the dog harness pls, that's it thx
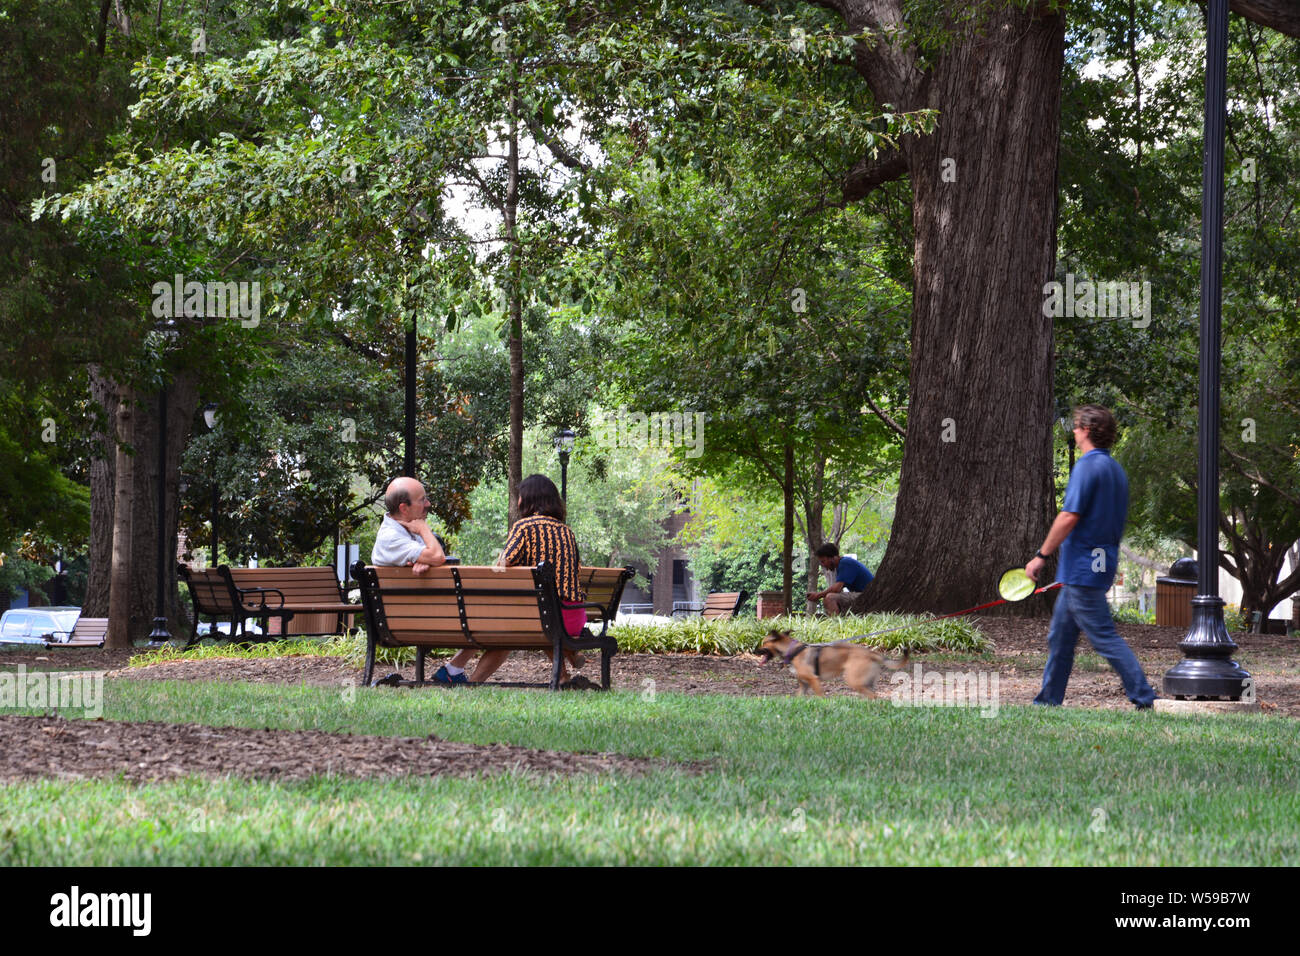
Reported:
(815, 653)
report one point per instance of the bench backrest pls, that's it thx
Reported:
(460, 606)
(89, 630)
(604, 586)
(722, 604)
(299, 585)
(209, 591)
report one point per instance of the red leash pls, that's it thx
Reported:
(969, 610)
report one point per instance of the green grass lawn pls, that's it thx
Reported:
(789, 781)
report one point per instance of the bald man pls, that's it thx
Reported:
(404, 538)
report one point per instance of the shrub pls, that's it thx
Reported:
(1130, 614)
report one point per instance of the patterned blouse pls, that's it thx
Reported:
(542, 538)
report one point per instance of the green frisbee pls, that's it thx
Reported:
(1015, 585)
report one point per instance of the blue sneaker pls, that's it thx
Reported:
(440, 676)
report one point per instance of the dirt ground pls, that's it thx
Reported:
(1018, 656)
(42, 747)
(53, 747)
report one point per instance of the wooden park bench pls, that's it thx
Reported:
(214, 599)
(312, 595)
(507, 609)
(603, 587)
(718, 606)
(304, 600)
(87, 632)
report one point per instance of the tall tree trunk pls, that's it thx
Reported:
(975, 494)
(515, 294)
(814, 512)
(119, 598)
(182, 400)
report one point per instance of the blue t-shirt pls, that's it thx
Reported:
(1098, 494)
(853, 574)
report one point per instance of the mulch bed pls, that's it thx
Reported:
(43, 747)
(35, 657)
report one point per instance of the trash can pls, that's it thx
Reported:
(1174, 594)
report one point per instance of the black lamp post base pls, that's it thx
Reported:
(159, 635)
(1206, 671)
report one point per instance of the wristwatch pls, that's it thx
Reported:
(1039, 554)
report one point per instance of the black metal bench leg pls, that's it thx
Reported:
(420, 653)
(557, 661)
(370, 659)
(605, 657)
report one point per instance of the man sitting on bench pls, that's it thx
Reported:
(404, 538)
(851, 579)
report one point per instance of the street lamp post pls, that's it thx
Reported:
(160, 634)
(408, 456)
(563, 446)
(1206, 670)
(210, 419)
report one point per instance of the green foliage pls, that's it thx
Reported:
(18, 573)
(215, 650)
(1129, 614)
(618, 500)
(741, 635)
(35, 495)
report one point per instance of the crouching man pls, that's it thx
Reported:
(851, 579)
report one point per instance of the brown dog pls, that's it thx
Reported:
(859, 665)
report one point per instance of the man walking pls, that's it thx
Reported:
(1088, 532)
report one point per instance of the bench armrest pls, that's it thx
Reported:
(604, 616)
(261, 594)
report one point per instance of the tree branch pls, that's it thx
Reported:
(558, 148)
(1142, 561)
(1281, 15)
(869, 173)
(885, 418)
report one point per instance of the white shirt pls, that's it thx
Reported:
(395, 546)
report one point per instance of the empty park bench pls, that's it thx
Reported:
(87, 632)
(490, 609)
(718, 606)
(603, 587)
(306, 600)
(213, 598)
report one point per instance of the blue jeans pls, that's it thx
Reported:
(1086, 608)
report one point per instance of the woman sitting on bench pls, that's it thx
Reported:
(539, 535)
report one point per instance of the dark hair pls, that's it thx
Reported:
(539, 496)
(828, 550)
(1099, 423)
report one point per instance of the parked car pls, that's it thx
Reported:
(223, 629)
(38, 625)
